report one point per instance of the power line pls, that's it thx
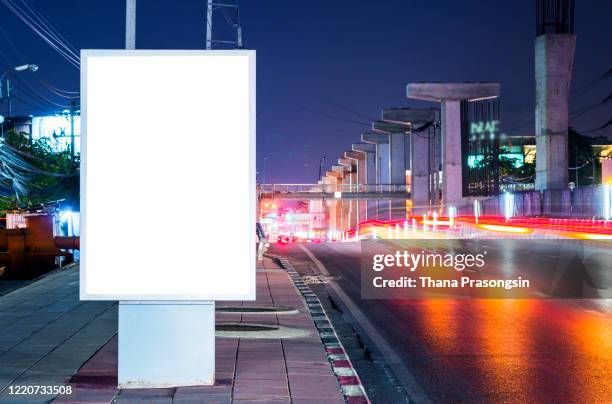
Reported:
(28, 90)
(604, 126)
(345, 108)
(584, 110)
(336, 117)
(57, 91)
(50, 28)
(45, 32)
(60, 93)
(575, 94)
(585, 88)
(32, 93)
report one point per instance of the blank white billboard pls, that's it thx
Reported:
(167, 175)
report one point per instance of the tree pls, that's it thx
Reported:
(582, 161)
(49, 175)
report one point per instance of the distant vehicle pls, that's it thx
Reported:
(282, 239)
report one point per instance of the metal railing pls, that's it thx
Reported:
(516, 187)
(581, 202)
(332, 188)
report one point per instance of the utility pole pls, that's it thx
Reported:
(130, 24)
(72, 111)
(238, 29)
(321, 167)
(263, 176)
(233, 21)
(8, 96)
(209, 22)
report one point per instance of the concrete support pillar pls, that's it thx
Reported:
(340, 172)
(451, 95)
(554, 60)
(360, 162)
(399, 163)
(336, 180)
(317, 213)
(381, 143)
(398, 147)
(452, 183)
(329, 184)
(332, 215)
(380, 208)
(424, 150)
(369, 154)
(350, 169)
(420, 166)
(350, 178)
(384, 176)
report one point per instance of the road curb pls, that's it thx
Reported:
(348, 379)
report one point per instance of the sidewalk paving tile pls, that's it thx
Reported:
(49, 336)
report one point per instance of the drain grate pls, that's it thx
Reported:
(315, 279)
(256, 310)
(245, 327)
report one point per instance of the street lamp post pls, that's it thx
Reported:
(28, 67)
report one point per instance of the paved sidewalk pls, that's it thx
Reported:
(46, 333)
(81, 349)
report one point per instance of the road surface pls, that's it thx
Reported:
(477, 350)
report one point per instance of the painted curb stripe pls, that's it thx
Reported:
(350, 384)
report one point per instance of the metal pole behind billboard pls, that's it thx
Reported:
(130, 24)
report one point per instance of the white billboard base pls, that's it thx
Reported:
(166, 344)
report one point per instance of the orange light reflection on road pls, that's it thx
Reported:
(507, 341)
(505, 330)
(505, 229)
(592, 236)
(592, 341)
(438, 316)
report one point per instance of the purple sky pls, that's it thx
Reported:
(326, 68)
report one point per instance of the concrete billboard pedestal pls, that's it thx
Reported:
(166, 344)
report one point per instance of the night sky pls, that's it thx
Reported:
(326, 68)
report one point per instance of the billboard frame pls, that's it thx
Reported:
(84, 295)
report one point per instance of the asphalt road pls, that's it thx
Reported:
(478, 350)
